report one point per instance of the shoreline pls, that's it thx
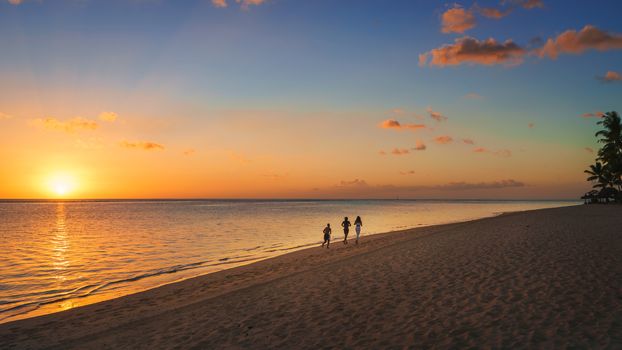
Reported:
(161, 279)
(96, 324)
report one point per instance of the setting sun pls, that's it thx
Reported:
(61, 184)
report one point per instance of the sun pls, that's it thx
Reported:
(61, 185)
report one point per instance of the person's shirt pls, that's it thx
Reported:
(346, 224)
(327, 230)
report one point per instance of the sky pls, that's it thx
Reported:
(491, 99)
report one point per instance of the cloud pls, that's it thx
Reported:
(219, 3)
(610, 77)
(108, 116)
(409, 172)
(143, 145)
(531, 4)
(531, 125)
(398, 111)
(4, 116)
(400, 151)
(443, 140)
(353, 183)
(573, 42)
(15, 2)
(70, 126)
(493, 13)
(244, 4)
(239, 158)
(419, 146)
(189, 152)
(473, 51)
(436, 115)
(468, 141)
(460, 186)
(589, 150)
(473, 96)
(382, 153)
(394, 124)
(457, 20)
(505, 153)
(597, 114)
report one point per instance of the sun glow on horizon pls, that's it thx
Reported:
(61, 184)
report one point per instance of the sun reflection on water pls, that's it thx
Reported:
(60, 245)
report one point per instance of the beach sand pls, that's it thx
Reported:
(546, 278)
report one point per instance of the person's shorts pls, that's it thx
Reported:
(327, 237)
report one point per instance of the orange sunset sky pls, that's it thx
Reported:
(257, 99)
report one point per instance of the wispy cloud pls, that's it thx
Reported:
(531, 4)
(244, 4)
(69, 126)
(394, 124)
(400, 151)
(409, 172)
(473, 96)
(189, 152)
(468, 141)
(457, 20)
(460, 186)
(573, 42)
(4, 116)
(589, 150)
(493, 13)
(443, 140)
(505, 153)
(610, 77)
(597, 114)
(110, 117)
(142, 145)
(15, 2)
(531, 125)
(473, 51)
(436, 115)
(353, 183)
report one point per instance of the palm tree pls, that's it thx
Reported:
(599, 174)
(611, 152)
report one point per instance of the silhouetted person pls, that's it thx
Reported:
(346, 229)
(357, 227)
(327, 231)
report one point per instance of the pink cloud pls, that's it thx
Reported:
(219, 3)
(457, 20)
(394, 124)
(531, 4)
(480, 150)
(468, 141)
(436, 115)
(531, 125)
(143, 145)
(400, 151)
(573, 42)
(382, 153)
(409, 172)
(597, 114)
(472, 51)
(493, 13)
(443, 140)
(419, 146)
(589, 150)
(505, 153)
(611, 77)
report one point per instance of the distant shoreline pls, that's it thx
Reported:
(142, 200)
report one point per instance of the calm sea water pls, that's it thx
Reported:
(56, 256)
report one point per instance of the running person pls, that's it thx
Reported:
(346, 229)
(357, 227)
(327, 231)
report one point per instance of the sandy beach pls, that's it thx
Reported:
(546, 278)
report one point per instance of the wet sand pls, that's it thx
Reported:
(547, 278)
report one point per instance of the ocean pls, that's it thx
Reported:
(59, 255)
